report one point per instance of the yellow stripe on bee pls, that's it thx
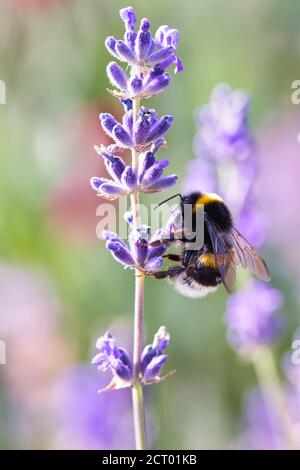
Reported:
(209, 198)
(208, 260)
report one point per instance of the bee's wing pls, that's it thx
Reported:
(248, 257)
(224, 254)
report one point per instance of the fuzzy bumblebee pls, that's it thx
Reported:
(200, 271)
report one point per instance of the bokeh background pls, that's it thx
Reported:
(59, 287)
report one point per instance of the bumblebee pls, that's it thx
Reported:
(201, 271)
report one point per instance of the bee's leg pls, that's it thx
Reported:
(173, 257)
(172, 272)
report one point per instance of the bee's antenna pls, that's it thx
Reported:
(169, 199)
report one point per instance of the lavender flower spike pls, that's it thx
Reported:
(142, 133)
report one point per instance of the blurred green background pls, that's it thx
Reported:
(52, 59)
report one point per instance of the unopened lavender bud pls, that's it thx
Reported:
(110, 188)
(156, 252)
(172, 38)
(160, 55)
(129, 178)
(113, 358)
(161, 340)
(141, 250)
(110, 44)
(157, 85)
(160, 128)
(124, 358)
(96, 182)
(142, 45)
(120, 253)
(154, 173)
(127, 121)
(117, 76)
(125, 52)
(135, 86)
(156, 145)
(154, 368)
(146, 160)
(108, 122)
(121, 136)
(145, 24)
(160, 34)
(153, 73)
(115, 167)
(128, 16)
(113, 163)
(142, 128)
(130, 38)
(147, 355)
(162, 184)
(114, 237)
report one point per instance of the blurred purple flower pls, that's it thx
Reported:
(223, 125)
(226, 159)
(87, 420)
(252, 317)
(262, 427)
(280, 168)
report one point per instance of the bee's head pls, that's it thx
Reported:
(214, 207)
(201, 198)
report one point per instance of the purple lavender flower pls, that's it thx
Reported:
(252, 317)
(133, 86)
(148, 129)
(149, 177)
(141, 51)
(143, 133)
(140, 48)
(117, 360)
(113, 358)
(139, 254)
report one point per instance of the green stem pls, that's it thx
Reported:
(137, 388)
